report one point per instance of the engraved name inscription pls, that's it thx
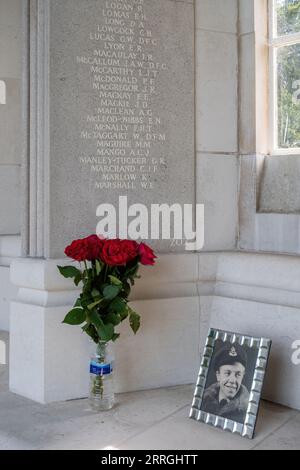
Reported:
(125, 129)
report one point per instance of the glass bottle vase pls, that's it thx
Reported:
(101, 378)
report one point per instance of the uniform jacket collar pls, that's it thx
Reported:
(240, 402)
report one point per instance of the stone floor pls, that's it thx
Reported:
(155, 419)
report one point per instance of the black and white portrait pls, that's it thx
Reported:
(228, 385)
(230, 381)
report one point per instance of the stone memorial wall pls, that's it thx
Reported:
(121, 111)
(10, 118)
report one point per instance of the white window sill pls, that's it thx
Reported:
(284, 152)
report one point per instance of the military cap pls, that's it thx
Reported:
(228, 355)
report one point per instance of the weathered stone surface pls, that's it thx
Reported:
(7, 293)
(280, 191)
(217, 92)
(9, 200)
(10, 12)
(276, 230)
(10, 72)
(246, 16)
(10, 123)
(217, 189)
(74, 181)
(10, 50)
(247, 103)
(216, 15)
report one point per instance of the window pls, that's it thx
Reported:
(284, 43)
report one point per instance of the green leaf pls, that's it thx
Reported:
(113, 318)
(105, 332)
(91, 331)
(126, 289)
(86, 300)
(115, 337)
(95, 293)
(94, 304)
(131, 272)
(78, 279)
(118, 305)
(69, 272)
(110, 292)
(124, 315)
(87, 288)
(98, 267)
(78, 303)
(75, 317)
(134, 320)
(95, 319)
(115, 281)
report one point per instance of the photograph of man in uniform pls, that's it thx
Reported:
(228, 396)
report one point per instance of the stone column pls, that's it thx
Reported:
(47, 360)
(10, 147)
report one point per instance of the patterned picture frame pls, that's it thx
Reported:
(263, 346)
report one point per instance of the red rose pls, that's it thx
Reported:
(94, 247)
(131, 248)
(86, 249)
(112, 253)
(147, 255)
(119, 252)
(76, 250)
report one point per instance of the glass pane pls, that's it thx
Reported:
(288, 16)
(289, 96)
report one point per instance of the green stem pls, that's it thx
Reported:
(86, 270)
(98, 386)
(106, 273)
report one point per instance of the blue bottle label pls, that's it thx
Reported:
(100, 369)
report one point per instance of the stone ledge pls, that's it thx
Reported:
(273, 279)
(264, 270)
(43, 275)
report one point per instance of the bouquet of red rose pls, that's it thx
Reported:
(110, 268)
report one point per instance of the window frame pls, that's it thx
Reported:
(274, 43)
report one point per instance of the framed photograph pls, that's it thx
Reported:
(230, 382)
